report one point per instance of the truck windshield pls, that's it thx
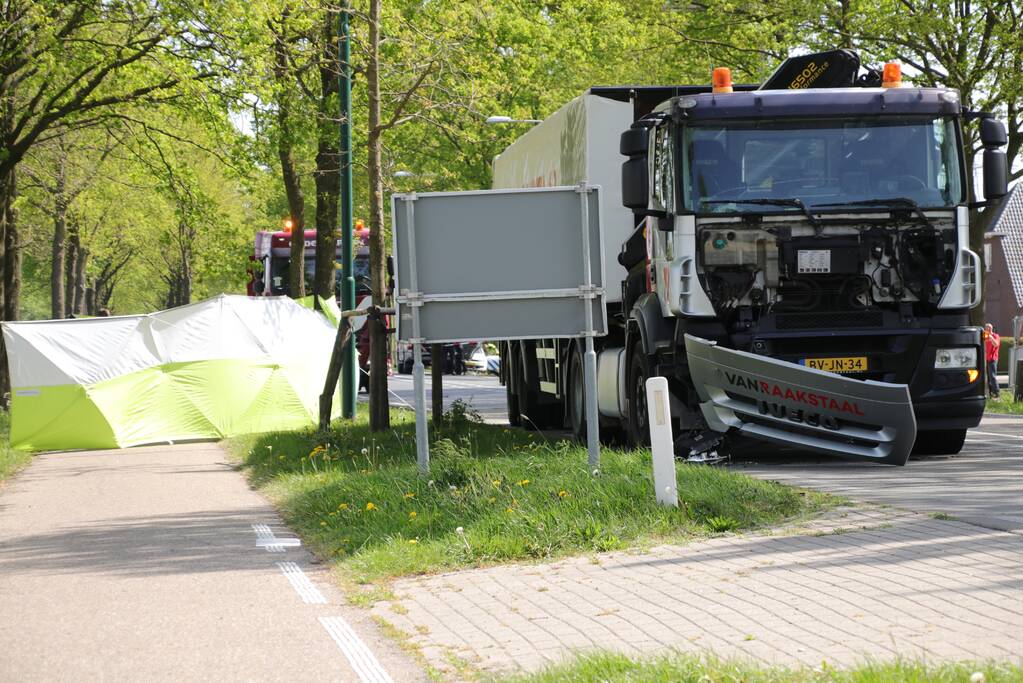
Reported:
(820, 162)
(360, 270)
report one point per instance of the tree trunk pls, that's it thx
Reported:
(12, 254)
(296, 204)
(70, 268)
(379, 414)
(289, 170)
(90, 299)
(7, 190)
(184, 273)
(79, 306)
(328, 176)
(58, 250)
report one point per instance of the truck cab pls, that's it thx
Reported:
(828, 227)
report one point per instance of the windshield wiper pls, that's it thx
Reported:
(891, 203)
(798, 203)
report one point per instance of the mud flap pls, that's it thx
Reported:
(774, 400)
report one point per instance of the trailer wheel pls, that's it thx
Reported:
(639, 418)
(939, 442)
(536, 413)
(576, 395)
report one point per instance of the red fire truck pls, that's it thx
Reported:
(271, 267)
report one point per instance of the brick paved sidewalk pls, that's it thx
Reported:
(860, 582)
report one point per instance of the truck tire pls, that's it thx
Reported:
(576, 398)
(639, 418)
(939, 442)
(536, 414)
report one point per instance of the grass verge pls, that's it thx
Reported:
(10, 460)
(494, 495)
(684, 668)
(1004, 404)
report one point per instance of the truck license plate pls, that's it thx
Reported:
(813, 261)
(848, 364)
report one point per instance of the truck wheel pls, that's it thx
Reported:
(576, 395)
(939, 442)
(536, 414)
(639, 418)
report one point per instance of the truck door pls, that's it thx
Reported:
(662, 242)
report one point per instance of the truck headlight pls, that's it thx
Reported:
(955, 359)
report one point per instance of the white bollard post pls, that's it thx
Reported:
(661, 442)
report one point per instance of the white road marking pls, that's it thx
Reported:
(1003, 436)
(265, 539)
(305, 588)
(359, 656)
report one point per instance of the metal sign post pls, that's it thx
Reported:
(587, 293)
(415, 302)
(496, 265)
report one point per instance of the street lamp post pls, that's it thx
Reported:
(350, 366)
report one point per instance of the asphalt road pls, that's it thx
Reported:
(982, 485)
(483, 392)
(159, 564)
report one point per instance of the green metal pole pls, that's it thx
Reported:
(350, 366)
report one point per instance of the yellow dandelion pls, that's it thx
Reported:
(409, 495)
(342, 506)
(509, 510)
(413, 541)
(562, 493)
(524, 482)
(413, 514)
(370, 507)
(496, 482)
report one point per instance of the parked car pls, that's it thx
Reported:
(483, 358)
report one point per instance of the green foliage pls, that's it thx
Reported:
(204, 100)
(493, 495)
(10, 460)
(1004, 404)
(681, 668)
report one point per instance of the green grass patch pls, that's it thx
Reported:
(1004, 404)
(494, 495)
(10, 460)
(685, 668)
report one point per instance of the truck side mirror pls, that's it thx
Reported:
(992, 133)
(635, 184)
(996, 171)
(996, 174)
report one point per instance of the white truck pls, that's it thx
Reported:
(820, 218)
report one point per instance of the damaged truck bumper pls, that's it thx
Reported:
(774, 400)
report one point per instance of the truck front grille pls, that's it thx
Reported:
(828, 319)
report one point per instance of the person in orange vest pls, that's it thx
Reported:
(992, 342)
